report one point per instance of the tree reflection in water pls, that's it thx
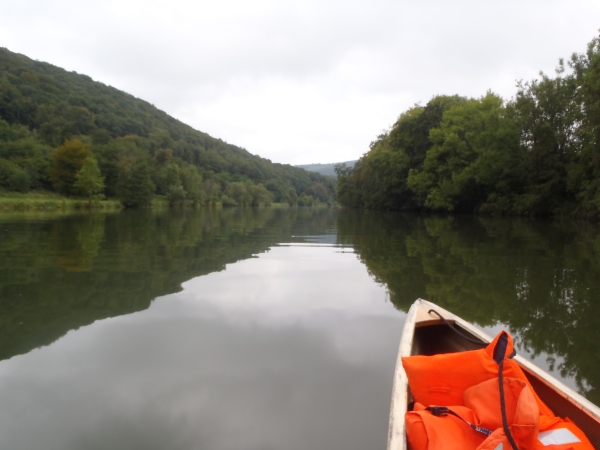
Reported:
(539, 278)
(61, 273)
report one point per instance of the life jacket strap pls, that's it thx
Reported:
(438, 411)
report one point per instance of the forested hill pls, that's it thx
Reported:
(137, 147)
(325, 169)
(537, 154)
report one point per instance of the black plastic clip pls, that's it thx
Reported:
(438, 411)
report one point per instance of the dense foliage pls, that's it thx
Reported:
(536, 154)
(140, 150)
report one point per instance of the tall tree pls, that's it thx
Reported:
(584, 172)
(475, 142)
(89, 179)
(379, 179)
(135, 187)
(12, 177)
(548, 116)
(192, 184)
(67, 160)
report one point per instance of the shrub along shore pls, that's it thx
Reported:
(48, 201)
(51, 201)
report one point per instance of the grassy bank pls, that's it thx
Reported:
(160, 202)
(49, 201)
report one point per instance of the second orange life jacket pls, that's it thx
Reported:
(469, 382)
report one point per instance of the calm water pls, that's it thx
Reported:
(263, 329)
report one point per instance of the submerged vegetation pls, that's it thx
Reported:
(537, 154)
(63, 132)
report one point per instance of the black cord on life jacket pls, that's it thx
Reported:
(453, 328)
(499, 353)
(443, 410)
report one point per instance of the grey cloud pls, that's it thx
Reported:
(377, 58)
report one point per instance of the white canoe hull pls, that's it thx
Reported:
(561, 399)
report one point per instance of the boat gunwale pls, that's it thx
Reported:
(400, 390)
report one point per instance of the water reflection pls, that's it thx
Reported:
(538, 278)
(262, 328)
(273, 351)
(58, 275)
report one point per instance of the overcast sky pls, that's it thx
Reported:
(299, 81)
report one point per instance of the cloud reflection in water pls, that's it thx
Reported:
(294, 349)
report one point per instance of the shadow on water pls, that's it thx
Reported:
(540, 279)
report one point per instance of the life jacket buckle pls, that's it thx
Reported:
(438, 411)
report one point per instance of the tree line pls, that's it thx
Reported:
(54, 122)
(537, 154)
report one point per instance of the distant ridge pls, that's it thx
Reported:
(325, 169)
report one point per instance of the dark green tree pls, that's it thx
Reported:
(67, 160)
(348, 192)
(584, 171)
(475, 143)
(12, 177)
(379, 179)
(90, 181)
(238, 192)
(191, 182)
(548, 116)
(135, 188)
(259, 195)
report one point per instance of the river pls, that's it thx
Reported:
(263, 328)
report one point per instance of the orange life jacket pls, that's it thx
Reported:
(564, 435)
(442, 379)
(424, 431)
(469, 382)
(478, 424)
(522, 412)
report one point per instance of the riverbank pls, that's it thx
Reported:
(50, 201)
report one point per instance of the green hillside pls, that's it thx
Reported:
(325, 169)
(140, 150)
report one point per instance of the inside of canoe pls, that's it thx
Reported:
(436, 338)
